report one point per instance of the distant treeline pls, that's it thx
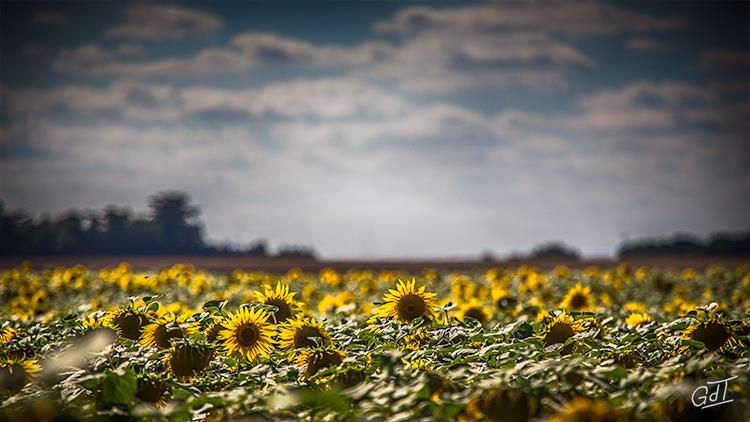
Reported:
(171, 227)
(719, 244)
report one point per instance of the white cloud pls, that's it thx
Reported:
(156, 22)
(349, 161)
(575, 18)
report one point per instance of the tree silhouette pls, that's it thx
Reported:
(171, 227)
(172, 212)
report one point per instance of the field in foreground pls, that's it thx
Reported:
(510, 344)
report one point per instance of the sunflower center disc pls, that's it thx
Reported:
(284, 312)
(578, 301)
(248, 335)
(411, 307)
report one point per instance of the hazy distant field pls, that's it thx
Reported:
(283, 264)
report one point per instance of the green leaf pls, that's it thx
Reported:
(119, 387)
(693, 343)
(214, 304)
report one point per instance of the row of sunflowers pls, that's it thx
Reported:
(506, 344)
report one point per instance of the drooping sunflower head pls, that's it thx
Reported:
(16, 372)
(499, 404)
(476, 310)
(578, 298)
(247, 333)
(560, 329)
(302, 333)
(282, 299)
(635, 319)
(187, 361)
(127, 321)
(152, 390)
(160, 333)
(407, 303)
(585, 410)
(715, 334)
(315, 360)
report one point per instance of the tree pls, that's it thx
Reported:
(176, 218)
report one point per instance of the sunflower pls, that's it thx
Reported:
(585, 410)
(152, 390)
(348, 377)
(635, 307)
(210, 330)
(407, 303)
(159, 334)
(713, 333)
(476, 310)
(503, 299)
(187, 361)
(247, 333)
(282, 299)
(7, 334)
(315, 360)
(414, 341)
(15, 373)
(499, 404)
(127, 321)
(578, 298)
(560, 329)
(336, 303)
(300, 333)
(635, 319)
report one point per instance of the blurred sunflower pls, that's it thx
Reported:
(300, 333)
(282, 299)
(315, 360)
(499, 404)
(502, 299)
(247, 333)
(532, 282)
(578, 298)
(414, 341)
(716, 335)
(635, 307)
(7, 334)
(476, 310)
(159, 334)
(127, 321)
(585, 410)
(152, 390)
(187, 361)
(335, 303)
(560, 329)
(635, 319)
(407, 303)
(15, 373)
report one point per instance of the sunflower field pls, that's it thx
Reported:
(506, 344)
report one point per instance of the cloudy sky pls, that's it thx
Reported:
(387, 130)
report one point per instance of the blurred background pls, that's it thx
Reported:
(374, 130)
